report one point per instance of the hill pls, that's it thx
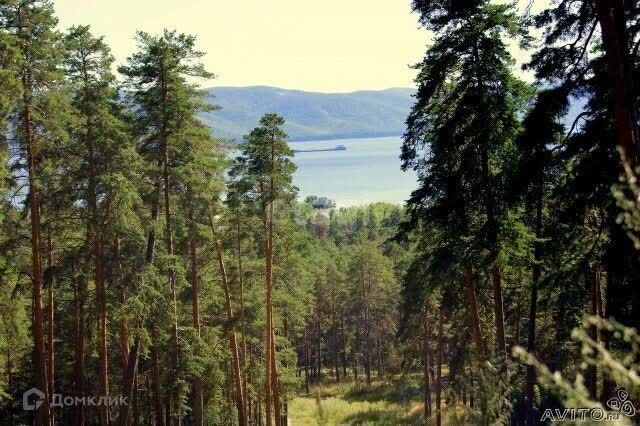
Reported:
(311, 115)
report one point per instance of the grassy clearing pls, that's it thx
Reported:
(382, 403)
(396, 401)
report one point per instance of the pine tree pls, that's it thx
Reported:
(269, 169)
(166, 105)
(106, 168)
(33, 24)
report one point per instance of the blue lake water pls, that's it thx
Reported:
(368, 171)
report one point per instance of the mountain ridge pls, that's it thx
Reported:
(310, 115)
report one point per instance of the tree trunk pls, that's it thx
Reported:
(198, 409)
(474, 317)
(243, 323)
(592, 372)
(536, 273)
(306, 360)
(157, 382)
(268, 288)
(124, 330)
(425, 351)
(51, 321)
(336, 352)
(274, 372)
(155, 366)
(496, 276)
(275, 384)
(516, 334)
(607, 382)
(43, 416)
(367, 349)
(172, 279)
(102, 319)
(318, 352)
(611, 15)
(242, 417)
(439, 370)
(128, 386)
(344, 348)
(79, 297)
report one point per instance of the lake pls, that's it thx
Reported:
(368, 171)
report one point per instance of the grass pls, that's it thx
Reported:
(393, 401)
(385, 402)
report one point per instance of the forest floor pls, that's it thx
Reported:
(386, 402)
(390, 401)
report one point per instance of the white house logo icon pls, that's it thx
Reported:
(35, 395)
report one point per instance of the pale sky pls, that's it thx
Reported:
(326, 45)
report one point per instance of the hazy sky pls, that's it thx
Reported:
(326, 45)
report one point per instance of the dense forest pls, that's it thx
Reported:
(154, 273)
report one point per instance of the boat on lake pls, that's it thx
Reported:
(335, 148)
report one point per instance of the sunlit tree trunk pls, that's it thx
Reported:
(243, 323)
(174, 403)
(43, 416)
(195, 298)
(237, 375)
(155, 366)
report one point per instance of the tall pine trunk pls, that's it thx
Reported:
(344, 347)
(233, 344)
(51, 320)
(336, 360)
(155, 366)
(275, 384)
(157, 381)
(267, 332)
(496, 276)
(274, 371)
(611, 16)
(198, 409)
(175, 344)
(124, 329)
(425, 351)
(102, 320)
(536, 274)
(474, 317)
(243, 323)
(439, 370)
(79, 292)
(306, 359)
(43, 416)
(592, 376)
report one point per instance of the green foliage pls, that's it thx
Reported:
(621, 365)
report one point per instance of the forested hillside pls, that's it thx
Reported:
(311, 115)
(149, 277)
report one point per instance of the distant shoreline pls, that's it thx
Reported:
(331, 138)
